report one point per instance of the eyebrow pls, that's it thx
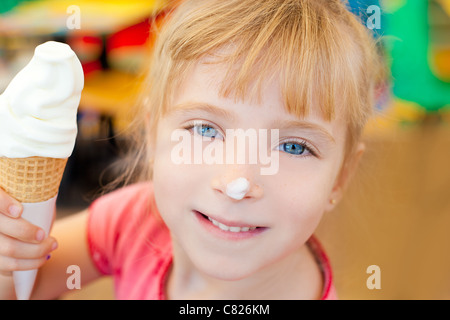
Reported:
(193, 107)
(303, 125)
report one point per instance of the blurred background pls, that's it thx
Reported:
(396, 214)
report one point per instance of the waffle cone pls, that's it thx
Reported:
(31, 180)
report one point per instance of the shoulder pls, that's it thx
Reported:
(122, 221)
(140, 192)
(128, 202)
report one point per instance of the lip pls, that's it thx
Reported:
(203, 220)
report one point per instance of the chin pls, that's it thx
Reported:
(226, 270)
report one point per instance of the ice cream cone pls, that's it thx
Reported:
(34, 181)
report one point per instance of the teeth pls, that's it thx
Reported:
(231, 229)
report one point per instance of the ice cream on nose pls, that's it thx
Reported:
(238, 188)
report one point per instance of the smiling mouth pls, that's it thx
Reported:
(224, 227)
(228, 228)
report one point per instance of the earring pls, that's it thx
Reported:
(333, 201)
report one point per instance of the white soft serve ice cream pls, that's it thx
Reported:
(38, 109)
(238, 188)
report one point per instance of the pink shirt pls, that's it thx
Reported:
(128, 240)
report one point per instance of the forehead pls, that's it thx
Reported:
(206, 82)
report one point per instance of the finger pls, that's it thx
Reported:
(13, 248)
(21, 229)
(8, 264)
(10, 206)
(6, 273)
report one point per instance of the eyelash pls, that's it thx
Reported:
(191, 125)
(305, 144)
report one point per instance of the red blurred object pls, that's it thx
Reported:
(123, 49)
(91, 66)
(88, 49)
(136, 35)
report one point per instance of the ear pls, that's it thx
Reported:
(345, 176)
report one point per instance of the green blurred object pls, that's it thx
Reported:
(409, 41)
(7, 5)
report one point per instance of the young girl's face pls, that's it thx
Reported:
(285, 207)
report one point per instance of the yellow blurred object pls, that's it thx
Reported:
(112, 93)
(440, 50)
(440, 63)
(446, 5)
(398, 112)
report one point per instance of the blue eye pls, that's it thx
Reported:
(293, 148)
(203, 129)
(297, 148)
(206, 131)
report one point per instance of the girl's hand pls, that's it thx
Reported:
(22, 244)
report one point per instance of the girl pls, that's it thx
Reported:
(304, 71)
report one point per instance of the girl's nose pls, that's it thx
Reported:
(238, 188)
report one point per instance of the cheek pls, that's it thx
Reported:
(168, 179)
(299, 216)
(302, 194)
(305, 183)
(175, 184)
(301, 211)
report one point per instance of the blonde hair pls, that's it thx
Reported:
(321, 53)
